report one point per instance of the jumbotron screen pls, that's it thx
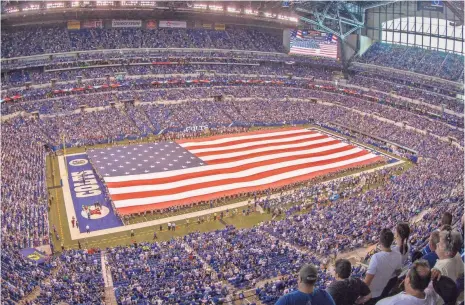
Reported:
(315, 43)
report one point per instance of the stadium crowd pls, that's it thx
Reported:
(429, 184)
(148, 117)
(368, 210)
(433, 63)
(55, 39)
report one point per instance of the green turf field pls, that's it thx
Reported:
(57, 213)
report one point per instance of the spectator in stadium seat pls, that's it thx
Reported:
(416, 284)
(449, 263)
(401, 236)
(383, 267)
(306, 292)
(432, 256)
(347, 290)
(446, 220)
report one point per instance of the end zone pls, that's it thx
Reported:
(85, 197)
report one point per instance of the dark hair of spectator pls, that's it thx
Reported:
(446, 219)
(403, 230)
(386, 237)
(419, 281)
(343, 268)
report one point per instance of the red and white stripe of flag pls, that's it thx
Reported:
(237, 163)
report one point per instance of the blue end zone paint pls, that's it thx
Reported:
(87, 188)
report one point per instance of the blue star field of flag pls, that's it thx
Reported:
(142, 159)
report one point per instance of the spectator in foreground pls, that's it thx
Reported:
(384, 266)
(446, 220)
(306, 292)
(449, 263)
(347, 290)
(416, 283)
(432, 256)
(402, 234)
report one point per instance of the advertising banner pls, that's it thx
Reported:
(126, 23)
(207, 26)
(151, 24)
(172, 24)
(74, 25)
(220, 26)
(92, 24)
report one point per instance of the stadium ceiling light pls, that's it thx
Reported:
(200, 6)
(32, 7)
(130, 3)
(233, 10)
(54, 5)
(215, 7)
(249, 11)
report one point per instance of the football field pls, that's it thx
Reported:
(92, 187)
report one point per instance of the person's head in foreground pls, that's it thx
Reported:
(450, 242)
(306, 292)
(347, 290)
(415, 283)
(386, 238)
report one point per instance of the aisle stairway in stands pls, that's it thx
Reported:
(110, 298)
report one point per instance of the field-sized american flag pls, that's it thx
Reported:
(302, 42)
(159, 175)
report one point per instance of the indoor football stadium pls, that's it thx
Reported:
(232, 152)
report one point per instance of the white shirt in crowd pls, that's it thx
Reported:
(405, 299)
(383, 266)
(450, 267)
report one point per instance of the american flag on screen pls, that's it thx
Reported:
(302, 42)
(159, 175)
